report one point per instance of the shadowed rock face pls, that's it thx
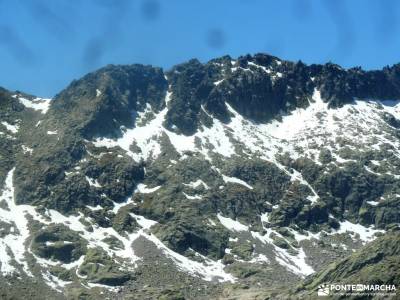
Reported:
(235, 172)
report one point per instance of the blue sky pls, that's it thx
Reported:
(44, 44)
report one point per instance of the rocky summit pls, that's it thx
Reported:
(247, 178)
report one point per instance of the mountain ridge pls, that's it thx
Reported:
(337, 86)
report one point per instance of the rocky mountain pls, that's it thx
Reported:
(238, 178)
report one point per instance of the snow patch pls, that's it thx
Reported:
(236, 180)
(294, 263)
(94, 208)
(14, 242)
(93, 182)
(366, 234)
(40, 104)
(195, 197)
(209, 270)
(146, 137)
(143, 189)
(143, 222)
(54, 282)
(12, 128)
(260, 258)
(26, 149)
(232, 225)
(218, 82)
(196, 184)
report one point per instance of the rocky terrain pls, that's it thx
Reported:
(247, 178)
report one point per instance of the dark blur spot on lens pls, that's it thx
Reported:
(215, 38)
(16, 46)
(346, 38)
(275, 47)
(51, 20)
(93, 52)
(150, 9)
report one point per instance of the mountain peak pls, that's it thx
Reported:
(104, 100)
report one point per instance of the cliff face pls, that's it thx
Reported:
(236, 172)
